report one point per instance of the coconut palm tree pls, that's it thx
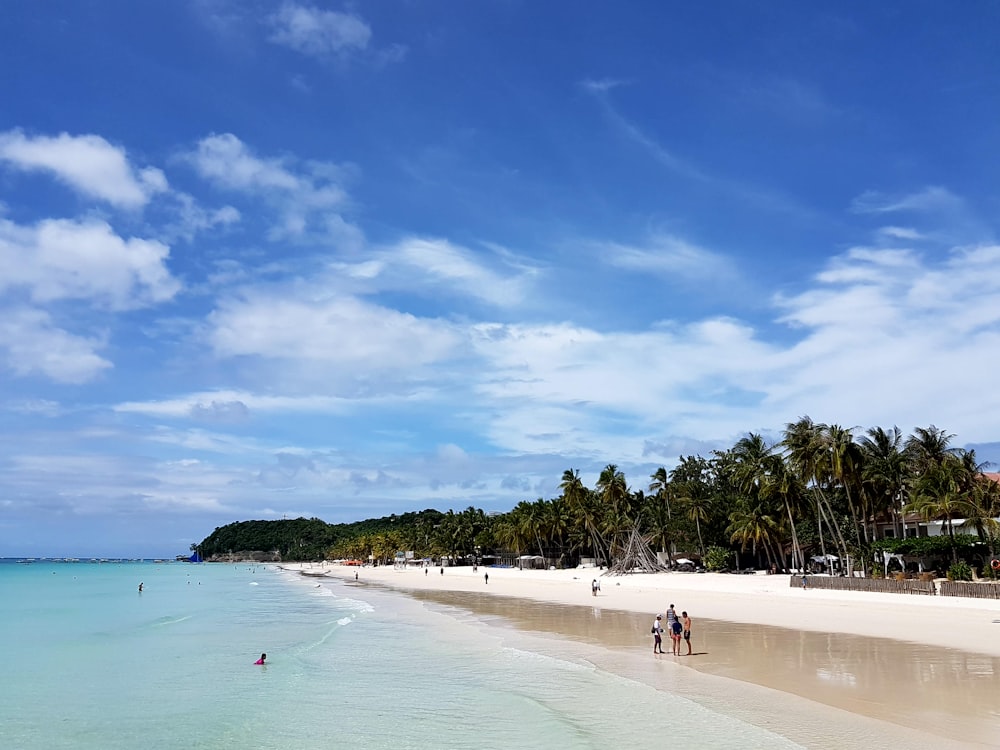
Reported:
(690, 478)
(760, 472)
(885, 473)
(583, 509)
(809, 458)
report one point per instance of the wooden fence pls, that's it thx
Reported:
(968, 588)
(881, 585)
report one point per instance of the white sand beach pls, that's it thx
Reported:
(971, 625)
(929, 664)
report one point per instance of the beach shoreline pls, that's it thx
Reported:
(873, 655)
(971, 625)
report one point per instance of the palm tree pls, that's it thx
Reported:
(580, 502)
(885, 473)
(751, 525)
(940, 492)
(810, 460)
(689, 478)
(761, 473)
(927, 447)
(845, 466)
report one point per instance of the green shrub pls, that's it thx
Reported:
(960, 571)
(717, 558)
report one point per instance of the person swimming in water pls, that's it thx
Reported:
(261, 659)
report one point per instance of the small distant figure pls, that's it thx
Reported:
(657, 631)
(474, 567)
(686, 623)
(594, 587)
(425, 571)
(140, 587)
(486, 577)
(805, 582)
(260, 661)
(355, 575)
(442, 570)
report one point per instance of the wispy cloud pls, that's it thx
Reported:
(668, 257)
(86, 163)
(930, 199)
(431, 267)
(318, 33)
(900, 233)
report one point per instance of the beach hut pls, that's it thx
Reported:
(531, 562)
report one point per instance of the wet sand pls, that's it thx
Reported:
(943, 692)
(882, 657)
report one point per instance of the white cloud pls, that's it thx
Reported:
(195, 405)
(33, 345)
(901, 233)
(933, 199)
(346, 335)
(86, 163)
(307, 197)
(318, 33)
(430, 267)
(669, 257)
(602, 85)
(60, 259)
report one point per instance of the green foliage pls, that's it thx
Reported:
(717, 558)
(960, 571)
(301, 538)
(929, 546)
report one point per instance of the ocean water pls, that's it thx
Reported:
(92, 663)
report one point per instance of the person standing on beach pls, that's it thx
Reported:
(486, 577)
(593, 587)
(805, 581)
(674, 631)
(671, 616)
(686, 625)
(657, 631)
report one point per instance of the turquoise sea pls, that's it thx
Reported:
(92, 663)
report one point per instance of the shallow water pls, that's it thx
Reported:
(94, 664)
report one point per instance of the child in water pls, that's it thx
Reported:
(261, 659)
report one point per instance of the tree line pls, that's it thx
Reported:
(821, 490)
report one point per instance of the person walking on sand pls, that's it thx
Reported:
(686, 625)
(805, 581)
(486, 577)
(657, 631)
(594, 587)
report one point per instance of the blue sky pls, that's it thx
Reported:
(267, 259)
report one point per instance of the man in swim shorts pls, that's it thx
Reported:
(686, 624)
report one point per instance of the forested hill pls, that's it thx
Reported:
(303, 538)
